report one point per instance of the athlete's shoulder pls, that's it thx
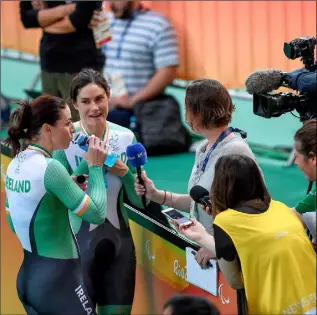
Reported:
(119, 129)
(28, 163)
(55, 167)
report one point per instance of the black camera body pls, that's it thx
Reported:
(303, 80)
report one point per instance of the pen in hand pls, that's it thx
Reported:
(209, 265)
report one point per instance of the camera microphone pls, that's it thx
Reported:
(200, 195)
(261, 83)
(264, 81)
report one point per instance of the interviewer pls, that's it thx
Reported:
(209, 110)
(260, 244)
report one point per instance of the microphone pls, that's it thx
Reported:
(137, 157)
(200, 195)
(264, 81)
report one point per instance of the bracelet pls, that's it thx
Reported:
(96, 165)
(164, 198)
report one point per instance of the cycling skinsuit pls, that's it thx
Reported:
(107, 251)
(39, 192)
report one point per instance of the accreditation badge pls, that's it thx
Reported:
(101, 32)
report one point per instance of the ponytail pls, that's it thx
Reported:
(18, 130)
(26, 122)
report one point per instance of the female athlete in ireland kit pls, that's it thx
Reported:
(107, 251)
(39, 192)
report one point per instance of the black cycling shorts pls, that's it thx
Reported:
(52, 286)
(109, 263)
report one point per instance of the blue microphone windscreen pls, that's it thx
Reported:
(136, 154)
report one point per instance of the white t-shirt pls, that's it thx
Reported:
(231, 145)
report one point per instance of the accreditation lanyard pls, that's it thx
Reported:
(222, 136)
(124, 32)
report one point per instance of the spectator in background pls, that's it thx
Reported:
(67, 44)
(305, 158)
(142, 57)
(189, 305)
(260, 244)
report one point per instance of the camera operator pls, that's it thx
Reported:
(305, 158)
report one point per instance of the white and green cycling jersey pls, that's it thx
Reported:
(39, 192)
(118, 138)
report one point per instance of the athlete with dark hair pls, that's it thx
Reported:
(108, 253)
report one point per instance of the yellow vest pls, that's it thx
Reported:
(278, 261)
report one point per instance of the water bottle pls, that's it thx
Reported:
(82, 141)
(111, 158)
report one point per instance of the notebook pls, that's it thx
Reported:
(206, 279)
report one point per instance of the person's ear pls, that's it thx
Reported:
(75, 105)
(47, 128)
(312, 157)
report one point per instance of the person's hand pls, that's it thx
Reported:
(123, 102)
(82, 186)
(203, 256)
(119, 169)
(195, 231)
(97, 151)
(38, 5)
(68, 8)
(95, 20)
(206, 209)
(148, 189)
(113, 102)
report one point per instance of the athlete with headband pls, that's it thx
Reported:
(208, 111)
(107, 250)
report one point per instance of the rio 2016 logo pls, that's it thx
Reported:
(179, 270)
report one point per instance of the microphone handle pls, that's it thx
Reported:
(205, 202)
(141, 182)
